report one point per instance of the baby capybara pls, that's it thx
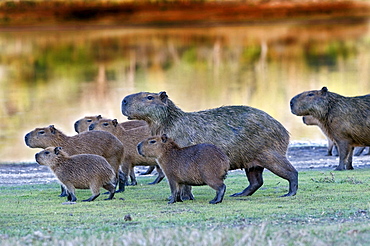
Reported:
(200, 164)
(130, 139)
(251, 138)
(82, 125)
(346, 120)
(92, 142)
(84, 171)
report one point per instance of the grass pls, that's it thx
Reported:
(331, 208)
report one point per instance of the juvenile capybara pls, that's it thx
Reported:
(200, 164)
(92, 142)
(130, 139)
(346, 120)
(311, 121)
(251, 138)
(83, 171)
(82, 125)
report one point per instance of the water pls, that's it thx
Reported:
(57, 77)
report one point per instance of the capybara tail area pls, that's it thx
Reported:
(280, 165)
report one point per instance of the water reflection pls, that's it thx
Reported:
(56, 77)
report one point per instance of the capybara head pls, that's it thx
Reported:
(143, 105)
(154, 146)
(41, 137)
(310, 102)
(50, 156)
(104, 125)
(82, 125)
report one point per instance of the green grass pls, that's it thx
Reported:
(331, 208)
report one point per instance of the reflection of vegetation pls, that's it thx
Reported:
(233, 65)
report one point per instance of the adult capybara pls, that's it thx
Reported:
(346, 120)
(251, 138)
(92, 142)
(200, 164)
(311, 121)
(130, 139)
(83, 171)
(82, 125)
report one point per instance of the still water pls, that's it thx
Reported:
(57, 77)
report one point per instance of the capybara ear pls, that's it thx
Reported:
(163, 96)
(99, 117)
(164, 138)
(324, 90)
(115, 122)
(57, 150)
(52, 129)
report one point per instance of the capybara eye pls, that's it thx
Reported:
(152, 141)
(41, 132)
(150, 98)
(47, 152)
(310, 94)
(89, 120)
(105, 124)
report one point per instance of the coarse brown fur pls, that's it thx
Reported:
(200, 164)
(82, 125)
(346, 120)
(83, 171)
(251, 138)
(129, 138)
(92, 142)
(311, 121)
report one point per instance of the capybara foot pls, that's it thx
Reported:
(289, 194)
(92, 198)
(338, 168)
(117, 191)
(133, 183)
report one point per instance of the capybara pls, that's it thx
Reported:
(130, 139)
(82, 125)
(199, 164)
(311, 121)
(92, 142)
(251, 138)
(83, 171)
(346, 120)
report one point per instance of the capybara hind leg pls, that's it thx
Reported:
(92, 198)
(280, 166)
(255, 179)
(132, 177)
(148, 171)
(220, 192)
(159, 177)
(111, 188)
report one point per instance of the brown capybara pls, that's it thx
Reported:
(251, 138)
(83, 171)
(346, 120)
(200, 164)
(82, 125)
(130, 139)
(92, 142)
(311, 121)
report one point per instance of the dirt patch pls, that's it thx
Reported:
(305, 157)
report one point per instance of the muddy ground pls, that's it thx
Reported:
(302, 158)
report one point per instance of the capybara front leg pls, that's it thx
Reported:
(345, 156)
(175, 192)
(186, 192)
(63, 191)
(219, 195)
(255, 179)
(132, 177)
(121, 182)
